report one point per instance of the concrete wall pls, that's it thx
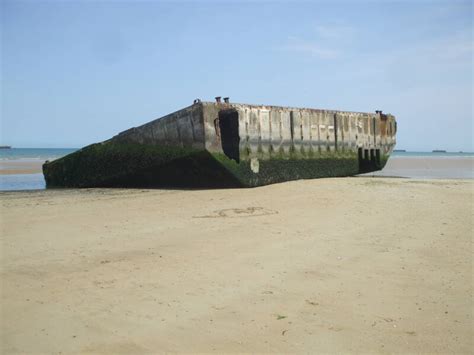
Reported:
(269, 129)
(280, 129)
(183, 128)
(274, 144)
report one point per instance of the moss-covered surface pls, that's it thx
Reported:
(278, 169)
(383, 162)
(118, 164)
(367, 166)
(111, 164)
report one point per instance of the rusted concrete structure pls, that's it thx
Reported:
(222, 144)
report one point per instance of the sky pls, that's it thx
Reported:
(78, 72)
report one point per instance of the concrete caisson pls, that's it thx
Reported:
(226, 144)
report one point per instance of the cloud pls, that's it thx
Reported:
(324, 42)
(333, 32)
(457, 46)
(311, 48)
(441, 60)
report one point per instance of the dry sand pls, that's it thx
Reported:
(331, 265)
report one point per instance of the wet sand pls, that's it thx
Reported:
(422, 167)
(14, 167)
(331, 265)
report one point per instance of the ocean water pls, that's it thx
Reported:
(28, 181)
(22, 182)
(36, 181)
(34, 153)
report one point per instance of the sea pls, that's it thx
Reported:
(28, 155)
(39, 155)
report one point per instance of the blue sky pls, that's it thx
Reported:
(78, 72)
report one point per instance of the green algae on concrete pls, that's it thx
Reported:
(109, 163)
(231, 145)
(274, 170)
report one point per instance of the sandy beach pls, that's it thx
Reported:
(364, 265)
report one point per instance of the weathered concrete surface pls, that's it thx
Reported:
(231, 145)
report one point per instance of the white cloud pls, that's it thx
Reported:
(312, 48)
(441, 60)
(324, 42)
(333, 32)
